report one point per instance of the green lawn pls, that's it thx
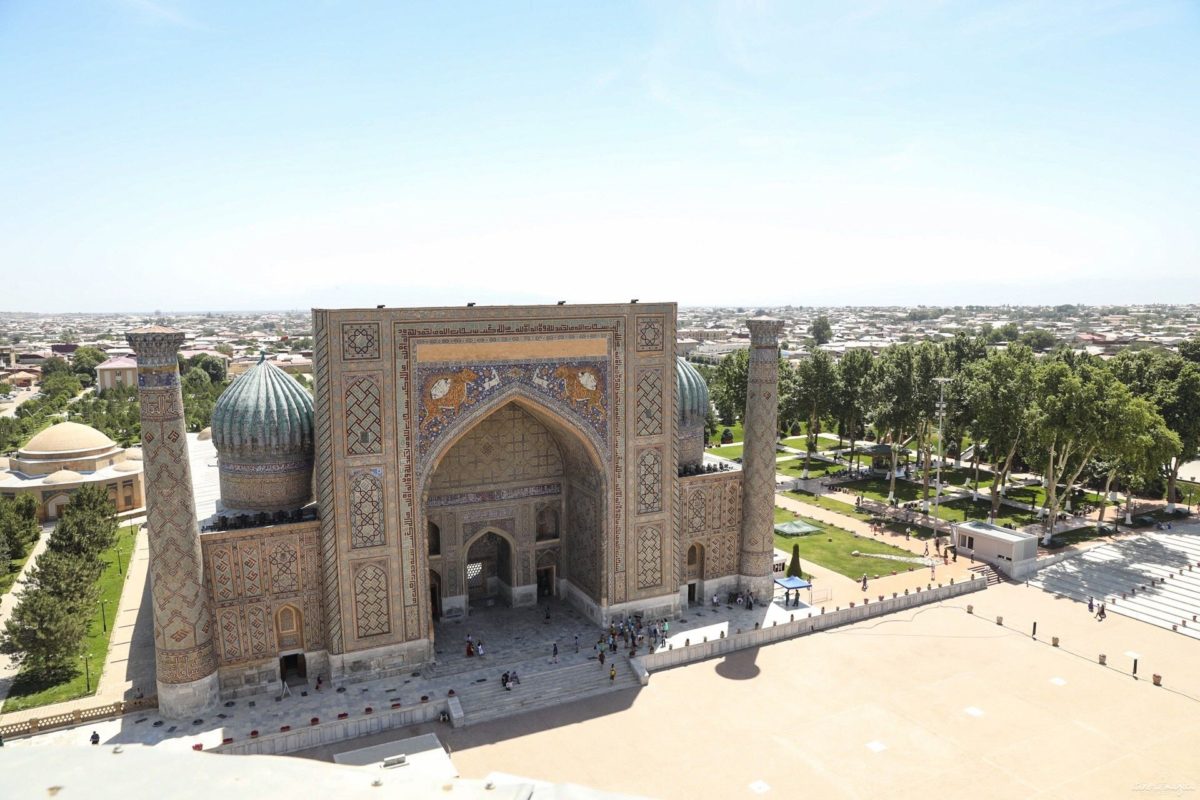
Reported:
(736, 428)
(816, 469)
(29, 690)
(829, 504)
(962, 476)
(14, 568)
(801, 443)
(877, 489)
(1037, 494)
(832, 549)
(965, 509)
(728, 451)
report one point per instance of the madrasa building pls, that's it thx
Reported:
(446, 457)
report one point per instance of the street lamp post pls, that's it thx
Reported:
(941, 412)
(104, 614)
(120, 568)
(87, 673)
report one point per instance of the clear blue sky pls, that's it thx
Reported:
(212, 155)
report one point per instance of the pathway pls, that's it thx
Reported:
(9, 667)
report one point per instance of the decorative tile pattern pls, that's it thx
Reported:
(251, 556)
(284, 572)
(364, 433)
(650, 334)
(371, 608)
(262, 643)
(649, 482)
(696, 512)
(184, 626)
(579, 389)
(231, 635)
(649, 556)
(583, 543)
(366, 509)
(758, 455)
(649, 403)
(331, 598)
(222, 574)
(360, 341)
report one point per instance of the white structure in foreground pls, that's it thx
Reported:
(1012, 552)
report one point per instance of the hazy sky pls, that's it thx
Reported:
(212, 155)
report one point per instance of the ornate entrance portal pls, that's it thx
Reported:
(518, 501)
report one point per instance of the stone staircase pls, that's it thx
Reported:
(549, 686)
(994, 576)
(1154, 578)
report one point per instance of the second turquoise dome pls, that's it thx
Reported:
(263, 409)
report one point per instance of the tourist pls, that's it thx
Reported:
(864, 582)
(554, 654)
(1091, 606)
(907, 534)
(470, 648)
(546, 621)
(601, 658)
(577, 643)
(479, 648)
(95, 739)
(504, 682)
(513, 677)
(612, 677)
(715, 601)
(319, 683)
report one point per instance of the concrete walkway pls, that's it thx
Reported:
(129, 665)
(9, 667)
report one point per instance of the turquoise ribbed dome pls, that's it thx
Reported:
(264, 409)
(691, 393)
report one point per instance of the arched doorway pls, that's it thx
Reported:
(695, 573)
(521, 499)
(289, 638)
(435, 595)
(489, 564)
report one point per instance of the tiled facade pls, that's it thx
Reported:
(506, 451)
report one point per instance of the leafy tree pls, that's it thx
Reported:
(54, 365)
(1072, 410)
(224, 349)
(1190, 349)
(87, 526)
(820, 330)
(85, 359)
(1000, 390)
(44, 633)
(895, 413)
(929, 363)
(728, 388)
(1179, 402)
(854, 393)
(1039, 340)
(5, 387)
(213, 366)
(812, 396)
(1136, 442)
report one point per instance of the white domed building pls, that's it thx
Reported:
(57, 461)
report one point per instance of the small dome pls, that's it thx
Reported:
(128, 466)
(133, 454)
(264, 408)
(691, 393)
(62, 476)
(204, 435)
(68, 437)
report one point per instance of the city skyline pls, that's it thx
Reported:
(198, 156)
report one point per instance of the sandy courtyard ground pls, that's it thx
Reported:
(930, 703)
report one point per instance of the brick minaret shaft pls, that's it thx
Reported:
(758, 458)
(185, 659)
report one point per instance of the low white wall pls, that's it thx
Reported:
(699, 651)
(336, 730)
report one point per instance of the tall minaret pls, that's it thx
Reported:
(758, 458)
(185, 661)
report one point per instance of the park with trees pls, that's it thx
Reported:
(1128, 424)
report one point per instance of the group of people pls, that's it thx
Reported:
(1099, 613)
(509, 679)
(474, 647)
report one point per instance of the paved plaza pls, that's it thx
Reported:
(930, 703)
